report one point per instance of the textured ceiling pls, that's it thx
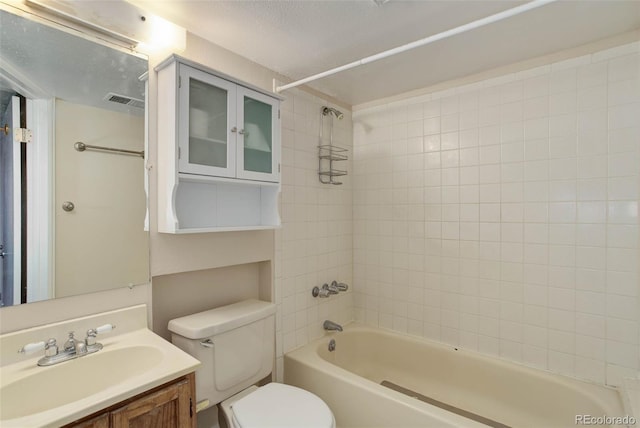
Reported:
(301, 38)
(65, 66)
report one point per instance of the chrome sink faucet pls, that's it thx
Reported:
(331, 326)
(72, 348)
(72, 345)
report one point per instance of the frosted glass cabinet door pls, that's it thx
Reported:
(207, 133)
(258, 136)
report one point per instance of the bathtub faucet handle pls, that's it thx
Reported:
(340, 286)
(332, 289)
(319, 292)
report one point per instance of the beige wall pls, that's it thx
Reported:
(101, 244)
(182, 294)
(13, 318)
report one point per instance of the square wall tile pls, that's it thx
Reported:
(500, 216)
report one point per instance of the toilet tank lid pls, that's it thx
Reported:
(219, 320)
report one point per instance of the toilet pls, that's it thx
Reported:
(236, 346)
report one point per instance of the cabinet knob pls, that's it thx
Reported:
(234, 129)
(241, 131)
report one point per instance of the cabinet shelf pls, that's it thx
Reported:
(258, 149)
(224, 229)
(211, 204)
(207, 139)
(198, 178)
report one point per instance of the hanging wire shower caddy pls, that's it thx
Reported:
(328, 153)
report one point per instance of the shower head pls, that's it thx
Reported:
(337, 113)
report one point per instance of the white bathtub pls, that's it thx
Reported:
(492, 391)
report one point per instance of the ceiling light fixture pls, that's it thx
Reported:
(57, 9)
(122, 22)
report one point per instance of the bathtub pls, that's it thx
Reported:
(433, 385)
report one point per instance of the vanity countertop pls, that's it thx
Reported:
(129, 364)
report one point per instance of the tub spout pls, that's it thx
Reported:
(331, 326)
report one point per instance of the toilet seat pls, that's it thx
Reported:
(281, 406)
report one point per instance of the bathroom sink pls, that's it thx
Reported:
(131, 363)
(68, 382)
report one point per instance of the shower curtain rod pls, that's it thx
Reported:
(427, 40)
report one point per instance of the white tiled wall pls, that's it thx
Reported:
(503, 216)
(314, 245)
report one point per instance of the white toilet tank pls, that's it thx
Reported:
(234, 343)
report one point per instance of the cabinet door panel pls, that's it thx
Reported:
(207, 117)
(101, 421)
(167, 408)
(259, 136)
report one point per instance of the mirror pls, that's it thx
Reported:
(72, 221)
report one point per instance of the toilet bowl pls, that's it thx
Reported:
(236, 346)
(277, 405)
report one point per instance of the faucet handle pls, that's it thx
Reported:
(340, 286)
(332, 289)
(30, 348)
(104, 328)
(50, 347)
(320, 292)
(93, 332)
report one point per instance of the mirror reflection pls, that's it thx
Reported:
(72, 216)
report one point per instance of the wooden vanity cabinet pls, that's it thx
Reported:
(101, 421)
(167, 408)
(171, 405)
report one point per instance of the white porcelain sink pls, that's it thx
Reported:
(129, 364)
(75, 379)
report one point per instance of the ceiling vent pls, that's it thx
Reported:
(123, 99)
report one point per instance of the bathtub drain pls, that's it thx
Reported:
(444, 406)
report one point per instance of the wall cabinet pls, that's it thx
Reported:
(169, 406)
(218, 151)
